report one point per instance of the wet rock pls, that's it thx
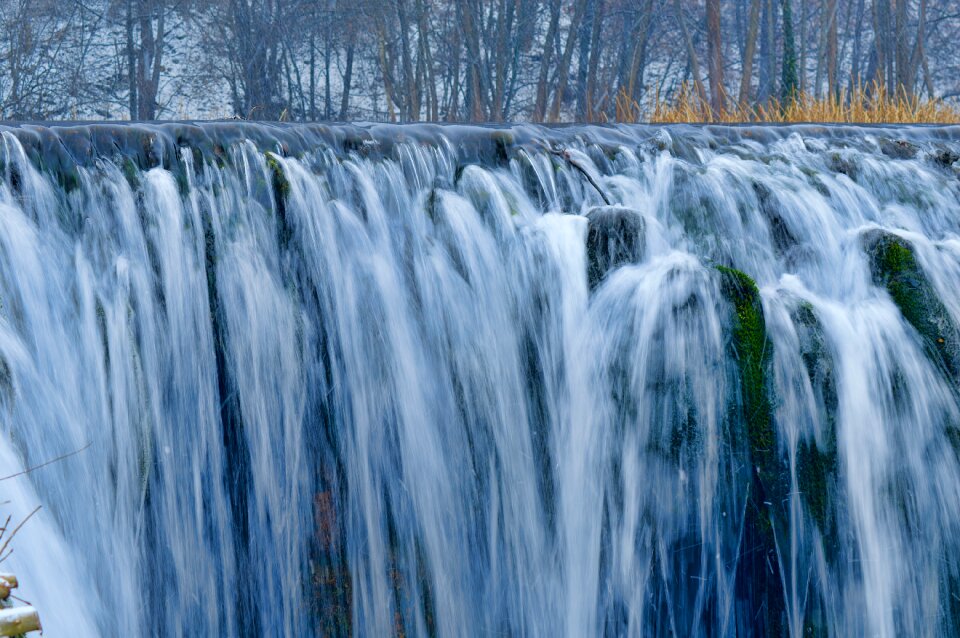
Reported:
(752, 427)
(783, 239)
(681, 148)
(898, 149)
(894, 267)
(616, 236)
(817, 459)
(944, 157)
(843, 165)
(752, 352)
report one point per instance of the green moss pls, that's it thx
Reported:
(894, 266)
(843, 165)
(281, 185)
(753, 353)
(69, 178)
(817, 462)
(131, 173)
(813, 469)
(281, 192)
(758, 570)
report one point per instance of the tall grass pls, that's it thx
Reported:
(871, 104)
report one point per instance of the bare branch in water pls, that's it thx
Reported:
(565, 155)
(46, 463)
(3, 547)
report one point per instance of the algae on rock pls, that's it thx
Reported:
(894, 266)
(758, 570)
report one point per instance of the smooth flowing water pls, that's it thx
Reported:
(422, 381)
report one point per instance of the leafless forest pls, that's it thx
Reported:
(457, 60)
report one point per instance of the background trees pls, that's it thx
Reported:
(457, 60)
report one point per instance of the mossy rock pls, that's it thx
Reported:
(281, 185)
(281, 193)
(843, 165)
(616, 236)
(894, 266)
(131, 173)
(752, 352)
(758, 582)
(817, 460)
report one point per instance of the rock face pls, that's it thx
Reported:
(894, 267)
(616, 236)
(758, 581)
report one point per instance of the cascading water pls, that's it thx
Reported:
(381, 381)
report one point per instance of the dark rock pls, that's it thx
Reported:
(616, 237)
(783, 239)
(944, 157)
(898, 149)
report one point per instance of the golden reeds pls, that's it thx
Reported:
(861, 105)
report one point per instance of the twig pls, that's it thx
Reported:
(46, 463)
(3, 548)
(565, 155)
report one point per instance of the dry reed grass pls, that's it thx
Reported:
(857, 106)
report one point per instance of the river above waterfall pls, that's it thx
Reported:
(381, 380)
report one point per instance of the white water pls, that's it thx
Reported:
(422, 418)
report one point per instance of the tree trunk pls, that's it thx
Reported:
(856, 76)
(768, 52)
(638, 59)
(918, 57)
(882, 68)
(565, 61)
(347, 80)
(902, 49)
(833, 84)
(691, 53)
(426, 54)
(131, 63)
(595, 52)
(454, 107)
(474, 71)
(312, 64)
(749, 50)
(715, 57)
(150, 58)
(540, 106)
(411, 103)
(790, 84)
(387, 84)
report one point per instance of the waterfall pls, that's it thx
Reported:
(424, 381)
